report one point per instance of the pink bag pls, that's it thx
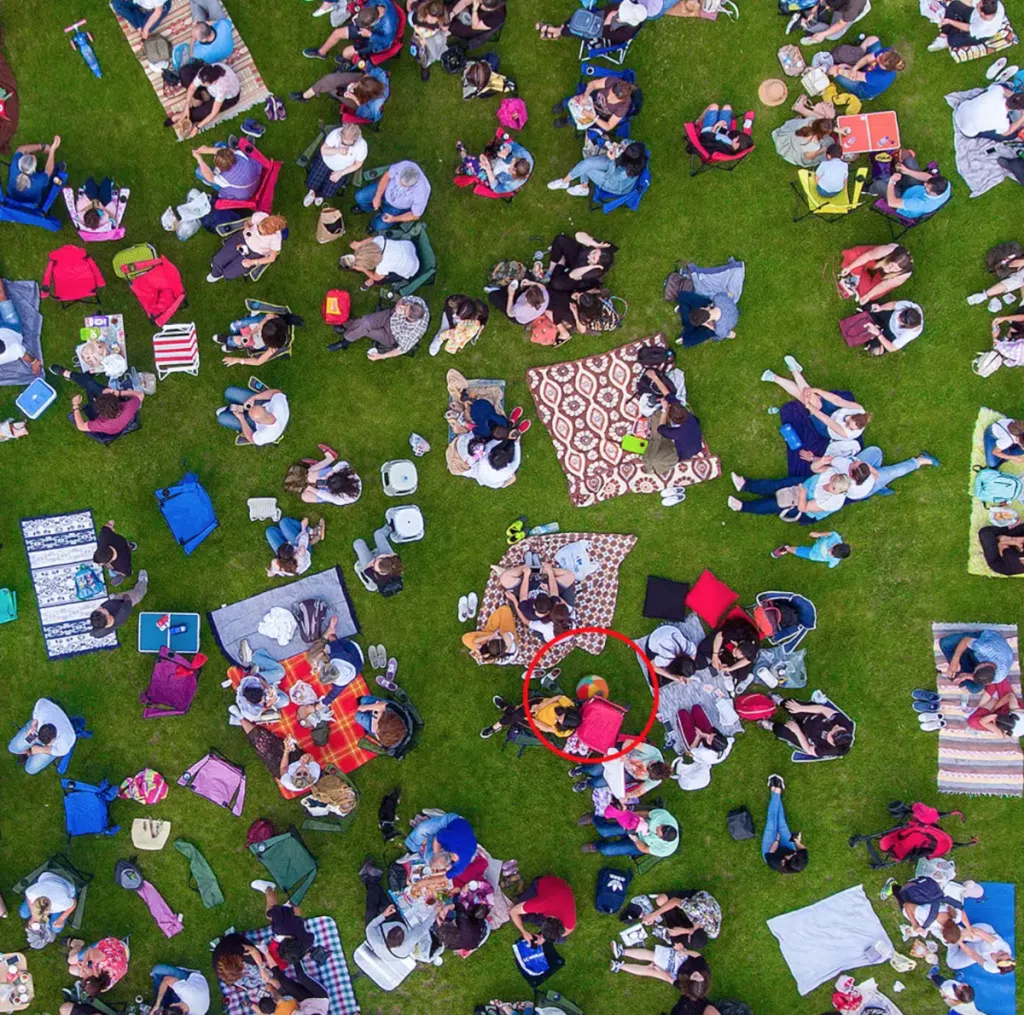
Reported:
(512, 114)
(146, 787)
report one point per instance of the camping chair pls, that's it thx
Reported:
(332, 822)
(609, 202)
(417, 232)
(790, 637)
(472, 46)
(188, 511)
(172, 685)
(8, 606)
(121, 195)
(701, 159)
(29, 213)
(225, 229)
(60, 864)
(399, 230)
(548, 999)
(288, 862)
(481, 189)
(799, 757)
(400, 703)
(919, 835)
(376, 59)
(154, 280)
(87, 808)
(601, 49)
(899, 224)
(828, 209)
(589, 70)
(71, 276)
(81, 733)
(260, 307)
(261, 200)
(370, 113)
(600, 724)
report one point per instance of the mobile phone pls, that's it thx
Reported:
(255, 384)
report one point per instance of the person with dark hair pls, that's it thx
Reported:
(897, 323)
(623, 19)
(179, 991)
(463, 320)
(263, 335)
(382, 566)
(461, 927)
(732, 647)
(676, 437)
(392, 331)
(258, 692)
(212, 39)
(688, 915)
(977, 659)
(503, 166)
(1003, 442)
(473, 19)
(699, 734)
(549, 905)
(578, 263)
(602, 105)
(372, 30)
(870, 272)
(643, 768)
(390, 933)
(656, 833)
(706, 318)
(831, 174)
(521, 302)
(292, 542)
(112, 613)
(865, 69)
(290, 938)
(827, 548)
(958, 996)
(328, 481)
(107, 411)
(676, 964)
(114, 552)
(352, 89)
(234, 955)
(969, 24)
(234, 175)
(143, 15)
(1003, 549)
(99, 966)
(556, 715)
(614, 171)
(47, 736)
(819, 730)
(495, 642)
(915, 193)
(717, 134)
(673, 655)
(291, 995)
(211, 89)
(782, 851)
(996, 114)
(827, 20)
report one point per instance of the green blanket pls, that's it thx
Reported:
(206, 883)
(979, 513)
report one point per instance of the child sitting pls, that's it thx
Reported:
(263, 335)
(830, 176)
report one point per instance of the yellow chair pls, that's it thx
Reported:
(831, 209)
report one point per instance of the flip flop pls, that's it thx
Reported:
(328, 450)
(995, 68)
(1005, 76)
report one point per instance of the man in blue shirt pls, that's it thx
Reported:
(371, 31)
(26, 182)
(827, 548)
(977, 658)
(915, 193)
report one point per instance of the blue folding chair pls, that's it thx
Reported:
(188, 511)
(87, 808)
(595, 49)
(590, 70)
(78, 725)
(609, 202)
(31, 214)
(790, 637)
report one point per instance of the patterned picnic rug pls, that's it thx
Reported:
(972, 762)
(177, 27)
(596, 595)
(332, 974)
(343, 748)
(976, 563)
(588, 406)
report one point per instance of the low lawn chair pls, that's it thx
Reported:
(600, 724)
(330, 822)
(601, 49)
(8, 606)
(121, 195)
(370, 113)
(71, 276)
(60, 864)
(899, 224)
(609, 202)
(154, 280)
(402, 704)
(262, 199)
(788, 637)
(172, 685)
(29, 213)
(188, 511)
(589, 70)
(289, 863)
(262, 307)
(376, 59)
(87, 808)
(701, 159)
(417, 232)
(828, 209)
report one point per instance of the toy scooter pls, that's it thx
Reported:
(81, 42)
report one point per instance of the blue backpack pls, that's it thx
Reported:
(995, 487)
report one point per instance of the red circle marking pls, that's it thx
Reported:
(607, 632)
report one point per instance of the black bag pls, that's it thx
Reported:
(387, 814)
(612, 885)
(665, 599)
(310, 615)
(127, 875)
(656, 356)
(740, 824)
(921, 891)
(391, 588)
(997, 258)
(453, 60)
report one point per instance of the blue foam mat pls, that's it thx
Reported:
(994, 994)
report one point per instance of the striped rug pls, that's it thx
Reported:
(177, 27)
(972, 762)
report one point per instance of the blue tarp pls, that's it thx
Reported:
(86, 808)
(188, 510)
(994, 993)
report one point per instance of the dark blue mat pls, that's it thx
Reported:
(797, 416)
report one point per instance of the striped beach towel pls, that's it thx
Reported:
(177, 27)
(972, 762)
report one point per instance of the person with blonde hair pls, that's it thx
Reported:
(50, 898)
(258, 242)
(380, 258)
(817, 497)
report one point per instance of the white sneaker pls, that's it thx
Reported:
(737, 480)
(673, 495)
(309, 198)
(435, 343)
(234, 716)
(975, 298)
(792, 23)
(1010, 72)
(995, 68)
(735, 504)
(244, 652)
(474, 602)
(934, 726)
(995, 305)
(213, 278)
(580, 190)
(463, 609)
(321, 11)
(938, 44)
(1009, 299)
(560, 184)
(318, 201)
(262, 886)
(768, 375)
(791, 362)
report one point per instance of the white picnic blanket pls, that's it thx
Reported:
(976, 156)
(829, 937)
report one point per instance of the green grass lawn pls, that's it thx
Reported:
(873, 641)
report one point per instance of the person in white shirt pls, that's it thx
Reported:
(898, 323)
(381, 257)
(497, 466)
(12, 339)
(50, 897)
(978, 943)
(291, 542)
(673, 655)
(865, 470)
(1003, 441)
(969, 24)
(830, 176)
(179, 991)
(259, 417)
(343, 153)
(48, 735)
(958, 996)
(211, 89)
(258, 242)
(995, 113)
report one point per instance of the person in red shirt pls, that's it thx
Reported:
(107, 412)
(550, 904)
(998, 711)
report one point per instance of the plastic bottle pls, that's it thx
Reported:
(178, 629)
(773, 410)
(543, 530)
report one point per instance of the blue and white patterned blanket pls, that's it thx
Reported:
(57, 546)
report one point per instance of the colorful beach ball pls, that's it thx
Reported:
(592, 687)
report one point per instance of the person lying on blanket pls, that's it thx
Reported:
(234, 175)
(675, 657)
(817, 497)
(602, 105)
(644, 770)
(579, 262)
(977, 660)
(448, 839)
(978, 944)
(676, 964)
(998, 712)
(495, 642)
(284, 759)
(821, 731)
(865, 479)
(26, 182)
(557, 716)
(687, 916)
(382, 259)
(969, 24)
(264, 335)
(654, 833)
(371, 31)
(12, 336)
(1004, 442)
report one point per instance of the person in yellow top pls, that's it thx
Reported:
(495, 642)
(557, 715)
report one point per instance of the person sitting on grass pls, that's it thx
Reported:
(717, 134)
(655, 833)
(869, 273)
(865, 479)
(706, 318)
(549, 905)
(259, 417)
(622, 20)
(782, 851)
(400, 195)
(827, 548)
(616, 170)
(676, 964)
(602, 105)
(998, 712)
(353, 89)
(262, 334)
(977, 659)
(382, 566)
(179, 991)
(831, 175)
(328, 481)
(382, 259)
(557, 716)
(12, 429)
(292, 542)
(257, 242)
(26, 182)
(12, 336)
(47, 736)
(392, 331)
(817, 497)
(969, 24)
(495, 642)
(503, 166)
(690, 915)
(112, 613)
(1003, 548)
(578, 263)
(371, 31)
(866, 69)
(819, 730)
(675, 657)
(897, 323)
(234, 175)
(108, 411)
(997, 114)
(827, 20)
(212, 39)
(958, 996)
(341, 155)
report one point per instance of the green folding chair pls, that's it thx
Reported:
(8, 606)
(552, 999)
(417, 232)
(60, 864)
(288, 862)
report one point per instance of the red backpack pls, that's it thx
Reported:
(71, 274)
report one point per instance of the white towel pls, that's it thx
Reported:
(278, 624)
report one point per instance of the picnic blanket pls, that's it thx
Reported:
(343, 747)
(726, 279)
(824, 939)
(972, 762)
(332, 974)
(588, 406)
(25, 297)
(976, 156)
(976, 563)
(993, 994)
(595, 595)
(8, 125)
(490, 388)
(57, 546)
(1003, 39)
(796, 415)
(177, 28)
(231, 623)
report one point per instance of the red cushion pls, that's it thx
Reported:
(710, 598)
(602, 720)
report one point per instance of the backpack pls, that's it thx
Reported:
(453, 60)
(987, 363)
(157, 51)
(740, 824)
(996, 259)
(259, 831)
(586, 24)
(391, 588)
(921, 891)
(127, 875)
(995, 487)
(610, 893)
(310, 615)
(676, 282)
(87, 582)
(656, 356)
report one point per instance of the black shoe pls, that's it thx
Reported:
(487, 732)
(57, 370)
(370, 870)
(499, 701)
(338, 346)
(298, 97)
(562, 121)
(424, 74)
(558, 107)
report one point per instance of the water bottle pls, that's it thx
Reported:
(965, 698)
(178, 629)
(773, 410)
(543, 530)
(791, 437)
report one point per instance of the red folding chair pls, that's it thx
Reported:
(701, 158)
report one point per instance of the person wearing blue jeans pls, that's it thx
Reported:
(264, 664)
(363, 198)
(12, 335)
(1007, 432)
(285, 531)
(782, 851)
(142, 15)
(976, 658)
(615, 840)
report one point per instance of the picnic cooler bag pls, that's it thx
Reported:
(854, 329)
